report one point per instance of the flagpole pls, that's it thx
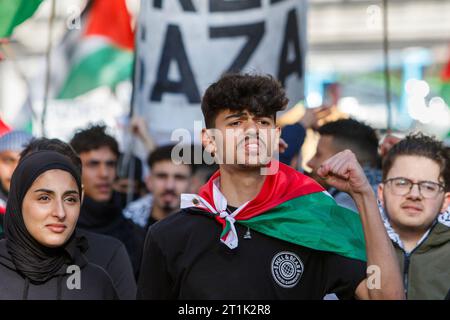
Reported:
(9, 52)
(48, 71)
(128, 134)
(387, 79)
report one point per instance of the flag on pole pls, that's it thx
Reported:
(102, 53)
(445, 78)
(14, 12)
(445, 88)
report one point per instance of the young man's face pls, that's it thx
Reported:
(8, 163)
(167, 182)
(412, 212)
(325, 150)
(242, 139)
(99, 172)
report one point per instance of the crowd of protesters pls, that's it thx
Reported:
(225, 231)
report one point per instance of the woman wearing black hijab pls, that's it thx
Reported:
(41, 257)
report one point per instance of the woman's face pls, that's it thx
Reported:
(51, 207)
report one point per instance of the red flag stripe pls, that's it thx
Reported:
(4, 128)
(111, 19)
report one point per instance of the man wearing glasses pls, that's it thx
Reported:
(415, 197)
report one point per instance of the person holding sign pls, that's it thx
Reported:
(258, 229)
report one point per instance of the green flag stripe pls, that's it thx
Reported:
(14, 12)
(106, 67)
(314, 221)
(445, 92)
(225, 230)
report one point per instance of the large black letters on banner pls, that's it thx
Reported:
(143, 32)
(185, 4)
(140, 73)
(254, 32)
(236, 5)
(291, 37)
(174, 50)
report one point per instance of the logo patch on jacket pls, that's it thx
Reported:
(287, 269)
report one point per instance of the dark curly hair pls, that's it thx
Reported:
(92, 138)
(419, 144)
(261, 95)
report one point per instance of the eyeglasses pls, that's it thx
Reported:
(402, 186)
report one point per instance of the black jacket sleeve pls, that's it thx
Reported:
(343, 275)
(154, 282)
(121, 271)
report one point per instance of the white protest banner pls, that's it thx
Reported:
(185, 45)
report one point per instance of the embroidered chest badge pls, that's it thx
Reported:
(287, 269)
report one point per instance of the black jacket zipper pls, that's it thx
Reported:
(407, 257)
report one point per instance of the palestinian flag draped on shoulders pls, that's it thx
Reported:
(290, 207)
(99, 53)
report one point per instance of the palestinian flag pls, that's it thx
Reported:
(289, 207)
(13, 13)
(445, 78)
(101, 54)
(445, 88)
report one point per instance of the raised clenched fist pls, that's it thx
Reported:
(344, 172)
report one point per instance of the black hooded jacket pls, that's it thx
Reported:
(95, 283)
(110, 255)
(107, 219)
(104, 251)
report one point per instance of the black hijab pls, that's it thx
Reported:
(32, 259)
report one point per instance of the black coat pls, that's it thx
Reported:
(107, 219)
(111, 255)
(96, 284)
